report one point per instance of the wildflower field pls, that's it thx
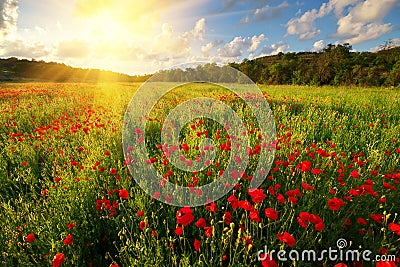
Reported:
(68, 199)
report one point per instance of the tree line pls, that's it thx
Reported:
(334, 65)
(13, 69)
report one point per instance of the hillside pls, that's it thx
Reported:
(13, 69)
(334, 65)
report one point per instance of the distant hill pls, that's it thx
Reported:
(13, 70)
(334, 65)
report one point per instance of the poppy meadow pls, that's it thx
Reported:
(67, 197)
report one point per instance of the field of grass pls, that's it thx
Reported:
(67, 197)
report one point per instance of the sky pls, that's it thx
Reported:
(139, 37)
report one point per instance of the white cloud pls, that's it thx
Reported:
(8, 16)
(355, 33)
(238, 45)
(364, 21)
(18, 48)
(255, 42)
(338, 6)
(40, 30)
(358, 20)
(266, 13)
(199, 29)
(274, 49)
(372, 10)
(206, 49)
(304, 26)
(73, 49)
(391, 43)
(318, 46)
(168, 44)
(233, 48)
(244, 20)
(171, 44)
(229, 4)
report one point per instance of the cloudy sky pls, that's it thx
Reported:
(137, 37)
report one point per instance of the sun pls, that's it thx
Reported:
(103, 27)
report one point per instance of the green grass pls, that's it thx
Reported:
(61, 142)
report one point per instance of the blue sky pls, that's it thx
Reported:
(137, 37)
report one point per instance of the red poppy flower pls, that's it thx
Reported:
(208, 231)
(319, 226)
(58, 259)
(354, 174)
(227, 217)
(30, 238)
(335, 203)
(196, 245)
(304, 166)
(267, 261)
(271, 214)
(394, 227)
(71, 225)
(280, 198)
(307, 186)
(255, 216)
(184, 216)
(140, 213)
(68, 240)
(361, 221)
(257, 195)
(293, 193)
(314, 219)
(304, 216)
(113, 171)
(156, 195)
(244, 204)
(153, 233)
(247, 241)
(340, 265)
(287, 238)
(200, 223)
(212, 207)
(185, 147)
(386, 264)
(302, 223)
(315, 171)
(293, 200)
(378, 218)
(123, 194)
(234, 202)
(354, 192)
(142, 225)
(178, 231)
(322, 153)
